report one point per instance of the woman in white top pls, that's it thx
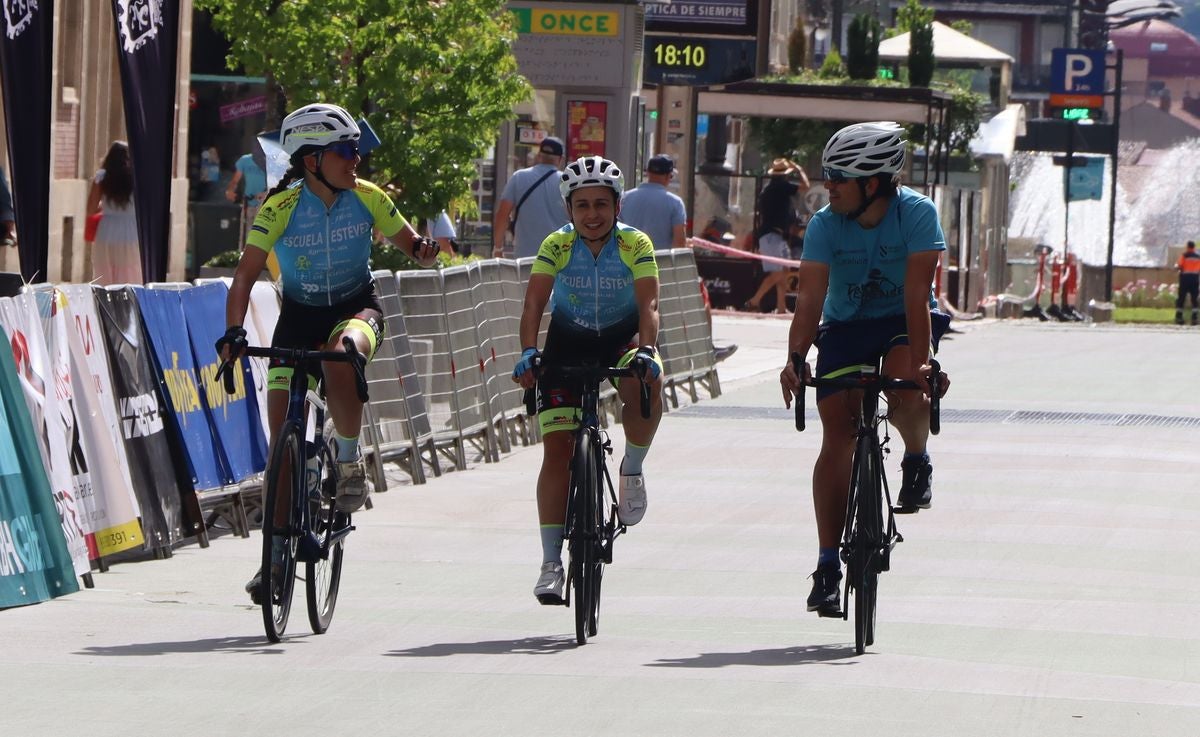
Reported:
(116, 258)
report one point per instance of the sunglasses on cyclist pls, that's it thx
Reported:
(835, 175)
(344, 149)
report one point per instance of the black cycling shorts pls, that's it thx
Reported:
(313, 326)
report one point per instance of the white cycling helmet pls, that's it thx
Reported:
(865, 149)
(591, 171)
(313, 127)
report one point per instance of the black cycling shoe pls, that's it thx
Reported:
(825, 598)
(916, 485)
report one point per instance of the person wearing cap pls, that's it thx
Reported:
(653, 209)
(776, 216)
(531, 203)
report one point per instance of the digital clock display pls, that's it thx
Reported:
(689, 55)
(697, 60)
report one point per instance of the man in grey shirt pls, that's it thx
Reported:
(532, 198)
(654, 210)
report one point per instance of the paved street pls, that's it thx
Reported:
(1051, 590)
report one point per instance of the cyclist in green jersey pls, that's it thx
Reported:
(604, 281)
(319, 221)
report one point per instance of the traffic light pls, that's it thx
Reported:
(1093, 24)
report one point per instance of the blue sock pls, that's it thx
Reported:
(552, 541)
(923, 457)
(827, 557)
(631, 465)
(347, 448)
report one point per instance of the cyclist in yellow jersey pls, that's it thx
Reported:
(319, 221)
(604, 282)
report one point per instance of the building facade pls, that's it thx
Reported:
(88, 115)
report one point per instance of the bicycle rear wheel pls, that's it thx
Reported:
(323, 576)
(868, 539)
(285, 484)
(585, 561)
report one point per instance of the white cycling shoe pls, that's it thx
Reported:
(551, 583)
(631, 500)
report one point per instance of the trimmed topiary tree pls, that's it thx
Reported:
(862, 52)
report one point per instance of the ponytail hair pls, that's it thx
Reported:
(292, 174)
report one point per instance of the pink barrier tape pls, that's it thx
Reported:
(710, 246)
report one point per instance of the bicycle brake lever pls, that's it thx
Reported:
(798, 367)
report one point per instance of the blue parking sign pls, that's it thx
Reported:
(1077, 72)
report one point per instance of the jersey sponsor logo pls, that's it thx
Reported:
(267, 214)
(349, 232)
(303, 263)
(309, 287)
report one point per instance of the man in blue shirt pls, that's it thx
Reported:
(532, 201)
(653, 209)
(866, 292)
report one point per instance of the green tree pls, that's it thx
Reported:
(797, 48)
(862, 53)
(832, 67)
(434, 78)
(920, 53)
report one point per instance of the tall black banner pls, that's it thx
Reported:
(26, 63)
(147, 42)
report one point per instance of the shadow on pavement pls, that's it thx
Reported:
(776, 656)
(212, 645)
(523, 646)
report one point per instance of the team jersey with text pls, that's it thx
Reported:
(323, 251)
(867, 265)
(594, 293)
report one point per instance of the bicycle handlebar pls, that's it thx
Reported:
(592, 375)
(872, 382)
(302, 355)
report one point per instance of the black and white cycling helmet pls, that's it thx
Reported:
(865, 149)
(313, 127)
(591, 171)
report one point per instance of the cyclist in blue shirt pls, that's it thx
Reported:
(319, 221)
(604, 281)
(866, 291)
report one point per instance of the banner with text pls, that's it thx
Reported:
(147, 39)
(234, 416)
(159, 488)
(112, 517)
(35, 373)
(162, 313)
(35, 564)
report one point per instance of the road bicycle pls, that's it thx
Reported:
(591, 525)
(301, 483)
(867, 542)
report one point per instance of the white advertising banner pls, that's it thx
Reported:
(23, 324)
(113, 514)
(81, 306)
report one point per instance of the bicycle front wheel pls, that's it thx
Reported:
(585, 561)
(281, 519)
(868, 539)
(323, 576)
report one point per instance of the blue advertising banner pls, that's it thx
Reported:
(34, 562)
(162, 313)
(234, 416)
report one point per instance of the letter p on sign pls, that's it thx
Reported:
(1077, 71)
